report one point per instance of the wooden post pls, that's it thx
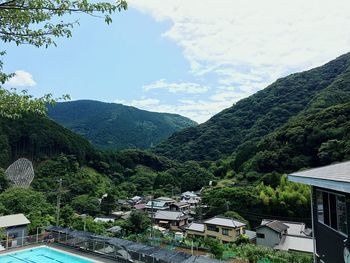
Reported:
(22, 236)
(7, 240)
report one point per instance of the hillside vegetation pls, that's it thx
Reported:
(250, 119)
(116, 126)
(300, 121)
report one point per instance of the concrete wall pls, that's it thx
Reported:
(272, 238)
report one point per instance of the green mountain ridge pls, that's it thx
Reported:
(116, 126)
(250, 119)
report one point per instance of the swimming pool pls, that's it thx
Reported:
(41, 255)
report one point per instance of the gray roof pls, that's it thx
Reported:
(294, 243)
(169, 215)
(294, 228)
(196, 227)
(164, 198)
(224, 221)
(179, 204)
(13, 220)
(275, 225)
(335, 176)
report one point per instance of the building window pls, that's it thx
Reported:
(260, 235)
(341, 214)
(225, 231)
(212, 228)
(331, 210)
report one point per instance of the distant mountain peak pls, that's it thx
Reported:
(116, 126)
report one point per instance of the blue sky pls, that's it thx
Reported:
(191, 57)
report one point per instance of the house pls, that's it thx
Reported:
(170, 219)
(180, 207)
(284, 235)
(136, 199)
(155, 205)
(140, 207)
(270, 234)
(15, 228)
(224, 229)
(330, 201)
(190, 198)
(166, 200)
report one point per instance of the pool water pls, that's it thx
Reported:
(41, 255)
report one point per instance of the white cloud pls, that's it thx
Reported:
(182, 87)
(247, 44)
(21, 79)
(141, 103)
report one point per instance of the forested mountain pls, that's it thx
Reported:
(116, 126)
(37, 138)
(244, 124)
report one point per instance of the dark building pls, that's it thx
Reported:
(330, 192)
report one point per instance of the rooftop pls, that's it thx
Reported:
(335, 176)
(169, 215)
(224, 221)
(196, 227)
(294, 228)
(164, 198)
(156, 204)
(275, 225)
(294, 243)
(13, 220)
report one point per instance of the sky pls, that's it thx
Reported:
(190, 57)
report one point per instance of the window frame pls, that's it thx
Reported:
(225, 231)
(328, 221)
(260, 235)
(212, 228)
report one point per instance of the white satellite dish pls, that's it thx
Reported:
(20, 173)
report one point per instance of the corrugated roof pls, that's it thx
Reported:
(13, 220)
(224, 221)
(274, 225)
(196, 227)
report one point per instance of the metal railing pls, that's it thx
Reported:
(17, 242)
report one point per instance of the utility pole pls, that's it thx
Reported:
(152, 221)
(58, 202)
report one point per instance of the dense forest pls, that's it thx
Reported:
(116, 126)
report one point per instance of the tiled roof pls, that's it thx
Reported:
(335, 172)
(274, 225)
(169, 215)
(196, 227)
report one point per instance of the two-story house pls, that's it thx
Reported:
(330, 201)
(224, 229)
(171, 219)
